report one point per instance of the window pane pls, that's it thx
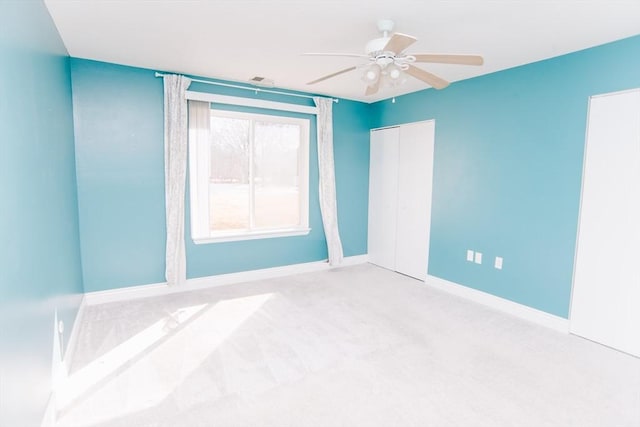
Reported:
(229, 174)
(277, 202)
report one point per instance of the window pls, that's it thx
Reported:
(250, 177)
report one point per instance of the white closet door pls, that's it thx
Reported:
(383, 193)
(415, 176)
(606, 291)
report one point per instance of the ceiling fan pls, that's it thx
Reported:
(388, 62)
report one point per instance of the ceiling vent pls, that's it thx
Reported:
(261, 81)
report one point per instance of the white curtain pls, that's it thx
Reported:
(175, 169)
(328, 204)
(199, 135)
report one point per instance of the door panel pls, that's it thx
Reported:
(415, 176)
(606, 291)
(383, 193)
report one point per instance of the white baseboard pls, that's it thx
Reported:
(128, 293)
(157, 289)
(513, 308)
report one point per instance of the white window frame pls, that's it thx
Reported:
(199, 163)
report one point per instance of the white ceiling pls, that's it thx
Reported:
(239, 39)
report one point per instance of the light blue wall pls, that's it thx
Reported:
(507, 171)
(120, 170)
(351, 121)
(40, 255)
(119, 148)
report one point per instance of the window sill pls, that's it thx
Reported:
(252, 235)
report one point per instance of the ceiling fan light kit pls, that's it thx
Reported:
(394, 72)
(389, 64)
(371, 74)
(390, 75)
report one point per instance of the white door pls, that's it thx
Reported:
(606, 291)
(415, 176)
(383, 193)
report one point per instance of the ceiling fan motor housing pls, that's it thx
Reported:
(377, 54)
(376, 45)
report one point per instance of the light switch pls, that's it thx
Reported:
(498, 263)
(478, 258)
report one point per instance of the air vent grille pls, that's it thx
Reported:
(261, 81)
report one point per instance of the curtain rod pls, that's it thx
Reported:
(254, 89)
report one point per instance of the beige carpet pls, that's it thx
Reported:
(357, 346)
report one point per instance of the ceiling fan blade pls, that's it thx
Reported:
(337, 73)
(431, 79)
(399, 42)
(352, 55)
(450, 59)
(372, 89)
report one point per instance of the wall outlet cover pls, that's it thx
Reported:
(469, 255)
(478, 259)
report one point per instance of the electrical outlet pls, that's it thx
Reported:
(478, 258)
(470, 255)
(498, 263)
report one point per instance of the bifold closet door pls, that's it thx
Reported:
(415, 176)
(401, 170)
(605, 303)
(383, 193)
